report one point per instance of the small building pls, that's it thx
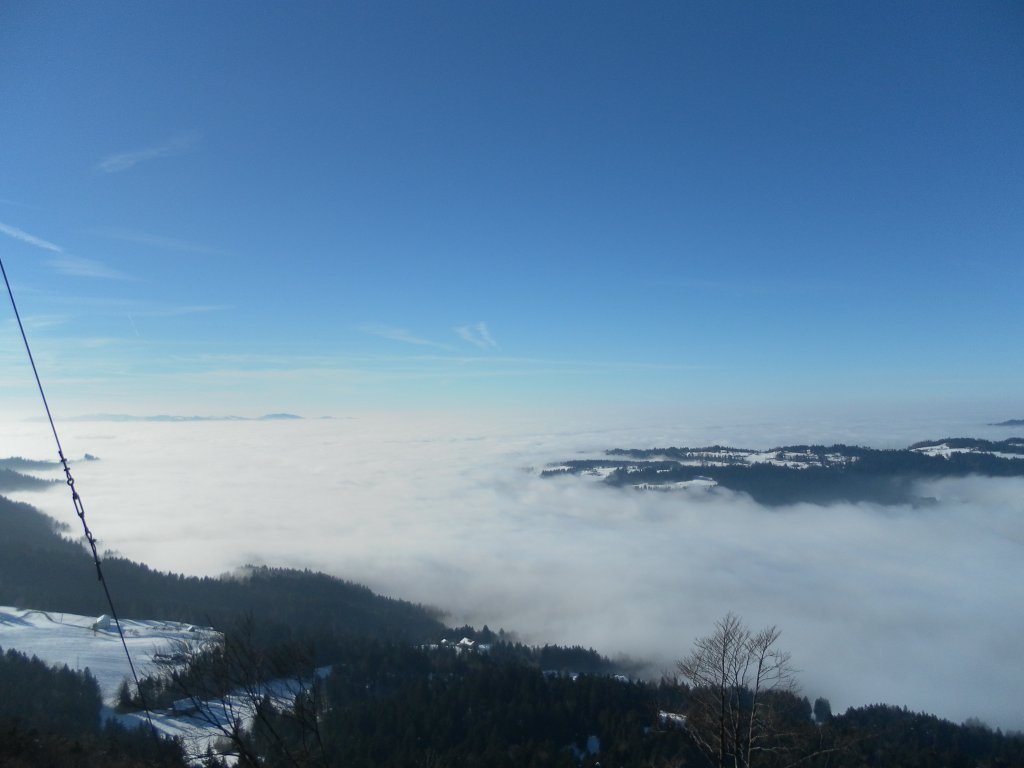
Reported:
(186, 706)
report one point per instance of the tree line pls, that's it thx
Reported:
(734, 702)
(50, 716)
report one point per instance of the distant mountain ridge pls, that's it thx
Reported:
(165, 417)
(802, 473)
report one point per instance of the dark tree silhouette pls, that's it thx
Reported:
(743, 708)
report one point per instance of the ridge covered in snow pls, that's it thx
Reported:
(801, 473)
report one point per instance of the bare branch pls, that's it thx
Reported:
(736, 677)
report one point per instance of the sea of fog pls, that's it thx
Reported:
(916, 607)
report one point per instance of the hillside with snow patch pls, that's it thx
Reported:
(92, 643)
(801, 473)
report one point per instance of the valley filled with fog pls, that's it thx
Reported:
(896, 604)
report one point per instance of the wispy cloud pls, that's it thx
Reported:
(249, 359)
(141, 308)
(147, 311)
(17, 203)
(733, 287)
(39, 322)
(25, 237)
(123, 161)
(99, 342)
(184, 309)
(400, 334)
(540, 364)
(65, 263)
(478, 335)
(156, 241)
(76, 266)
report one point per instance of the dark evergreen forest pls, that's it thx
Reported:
(50, 716)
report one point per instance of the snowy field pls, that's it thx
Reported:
(88, 642)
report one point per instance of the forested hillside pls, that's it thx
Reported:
(50, 716)
(42, 569)
(815, 474)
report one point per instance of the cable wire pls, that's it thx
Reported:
(77, 500)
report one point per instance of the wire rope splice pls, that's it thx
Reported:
(77, 501)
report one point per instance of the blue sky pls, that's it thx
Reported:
(315, 207)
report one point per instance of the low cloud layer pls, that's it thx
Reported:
(915, 607)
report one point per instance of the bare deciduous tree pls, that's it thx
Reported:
(741, 686)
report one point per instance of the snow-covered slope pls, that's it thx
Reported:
(1013, 448)
(92, 642)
